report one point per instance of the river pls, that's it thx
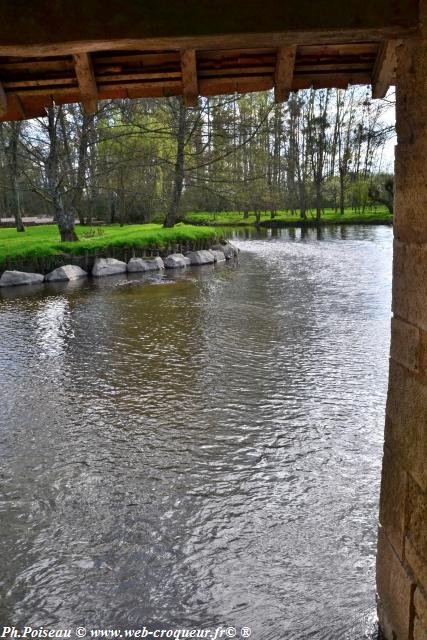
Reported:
(201, 448)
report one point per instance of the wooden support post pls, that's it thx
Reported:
(189, 77)
(384, 69)
(285, 63)
(3, 101)
(19, 106)
(86, 79)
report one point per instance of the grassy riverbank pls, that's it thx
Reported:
(330, 216)
(43, 240)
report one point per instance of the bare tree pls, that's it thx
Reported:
(10, 144)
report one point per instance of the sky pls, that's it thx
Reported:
(389, 118)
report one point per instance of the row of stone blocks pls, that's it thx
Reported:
(111, 266)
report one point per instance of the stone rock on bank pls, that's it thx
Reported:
(201, 257)
(176, 260)
(108, 267)
(140, 264)
(68, 272)
(228, 249)
(16, 278)
(218, 255)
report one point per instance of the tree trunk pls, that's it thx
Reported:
(318, 201)
(13, 172)
(68, 160)
(64, 219)
(179, 166)
(113, 208)
(16, 205)
(77, 206)
(342, 191)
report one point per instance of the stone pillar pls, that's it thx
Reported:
(402, 544)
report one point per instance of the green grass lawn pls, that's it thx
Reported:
(44, 240)
(329, 215)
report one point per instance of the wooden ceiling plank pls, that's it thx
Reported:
(132, 57)
(121, 77)
(39, 82)
(384, 68)
(36, 66)
(338, 67)
(149, 85)
(284, 72)
(219, 55)
(3, 101)
(208, 86)
(86, 80)
(356, 48)
(237, 61)
(324, 81)
(235, 71)
(189, 77)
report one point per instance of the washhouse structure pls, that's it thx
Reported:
(61, 51)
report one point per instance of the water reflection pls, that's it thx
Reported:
(52, 327)
(200, 448)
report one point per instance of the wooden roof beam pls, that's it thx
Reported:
(384, 69)
(285, 63)
(86, 80)
(3, 101)
(189, 77)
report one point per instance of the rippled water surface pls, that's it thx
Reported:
(201, 448)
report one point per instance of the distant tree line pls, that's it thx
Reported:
(155, 159)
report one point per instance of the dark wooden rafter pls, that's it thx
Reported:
(284, 72)
(384, 69)
(86, 81)
(189, 77)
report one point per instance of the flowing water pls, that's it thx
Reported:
(201, 448)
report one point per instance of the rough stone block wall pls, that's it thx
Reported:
(402, 542)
